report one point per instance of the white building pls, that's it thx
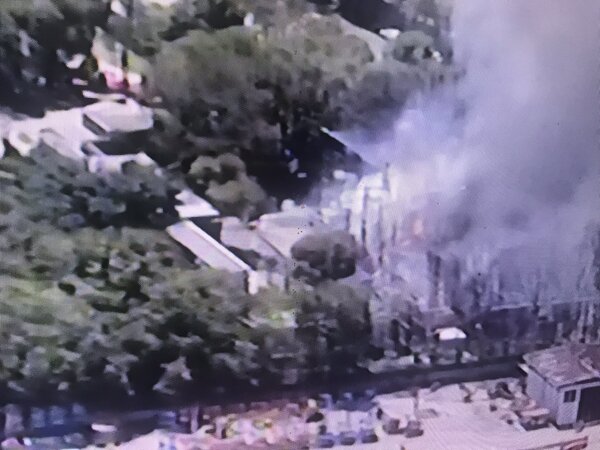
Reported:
(68, 130)
(117, 117)
(566, 381)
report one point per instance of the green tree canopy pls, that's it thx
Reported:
(332, 254)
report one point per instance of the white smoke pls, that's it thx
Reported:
(526, 144)
(514, 145)
(531, 131)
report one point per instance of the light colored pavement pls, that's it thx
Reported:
(448, 423)
(454, 425)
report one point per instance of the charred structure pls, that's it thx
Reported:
(508, 299)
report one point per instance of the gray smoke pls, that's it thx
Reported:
(525, 154)
(511, 152)
(531, 130)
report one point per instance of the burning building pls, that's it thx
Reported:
(493, 179)
(426, 276)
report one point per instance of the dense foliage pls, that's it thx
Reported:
(93, 293)
(32, 32)
(123, 308)
(331, 255)
(263, 76)
(270, 89)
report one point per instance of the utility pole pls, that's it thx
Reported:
(382, 239)
(363, 217)
(581, 321)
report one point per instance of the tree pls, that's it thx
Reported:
(241, 197)
(270, 88)
(332, 254)
(52, 25)
(62, 192)
(413, 46)
(93, 291)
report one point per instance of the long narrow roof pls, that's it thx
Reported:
(206, 248)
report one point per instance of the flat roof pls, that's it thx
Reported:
(119, 117)
(283, 229)
(194, 206)
(567, 364)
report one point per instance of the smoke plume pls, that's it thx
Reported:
(516, 139)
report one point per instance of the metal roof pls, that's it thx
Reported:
(568, 364)
(206, 248)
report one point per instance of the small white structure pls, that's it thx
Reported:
(566, 381)
(106, 117)
(194, 206)
(22, 141)
(236, 234)
(450, 334)
(249, 20)
(73, 133)
(75, 61)
(206, 248)
(389, 33)
(160, 3)
(451, 339)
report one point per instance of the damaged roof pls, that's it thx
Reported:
(568, 364)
